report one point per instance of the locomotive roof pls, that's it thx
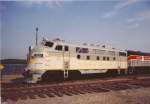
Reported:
(131, 52)
(85, 45)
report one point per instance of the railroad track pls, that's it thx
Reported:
(67, 82)
(34, 91)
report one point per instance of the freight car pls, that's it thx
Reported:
(57, 57)
(138, 62)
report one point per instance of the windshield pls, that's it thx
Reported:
(49, 44)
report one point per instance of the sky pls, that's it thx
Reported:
(123, 24)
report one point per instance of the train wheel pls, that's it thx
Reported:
(66, 74)
(126, 71)
(119, 72)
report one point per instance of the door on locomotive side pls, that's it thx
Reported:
(119, 61)
(122, 62)
(66, 60)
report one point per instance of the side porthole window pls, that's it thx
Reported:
(66, 48)
(114, 58)
(78, 56)
(107, 58)
(97, 58)
(104, 58)
(88, 57)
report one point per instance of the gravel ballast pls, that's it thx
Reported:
(131, 96)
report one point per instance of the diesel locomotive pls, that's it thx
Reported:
(54, 58)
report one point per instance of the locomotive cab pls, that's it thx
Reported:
(36, 64)
(37, 61)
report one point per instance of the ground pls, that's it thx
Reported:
(129, 96)
(132, 96)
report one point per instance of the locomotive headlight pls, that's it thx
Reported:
(38, 55)
(36, 58)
